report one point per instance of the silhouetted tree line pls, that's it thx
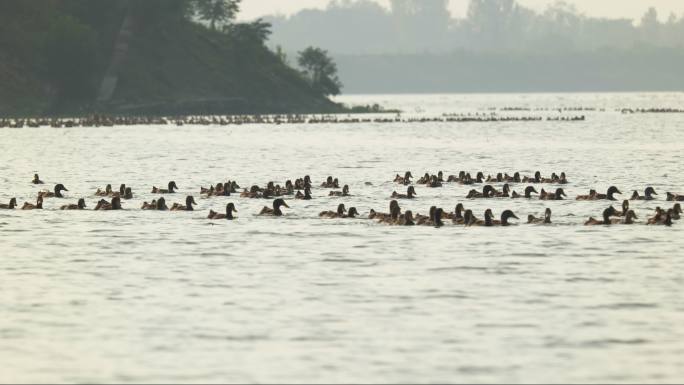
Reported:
(411, 26)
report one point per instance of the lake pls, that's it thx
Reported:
(146, 296)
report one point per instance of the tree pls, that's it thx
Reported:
(217, 11)
(321, 70)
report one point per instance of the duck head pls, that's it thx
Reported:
(607, 213)
(559, 193)
(529, 190)
(635, 195)
(128, 193)
(277, 204)
(108, 188)
(352, 213)
(230, 209)
(506, 189)
(36, 178)
(537, 176)
(471, 194)
(408, 175)
(341, 209)
(468, 218)
(499, 177)
(506, 215)
(189, 201)
(329, 180)
(677, 208)
(161, 204)
(345, 190)
(480, 177)
(60, 187)
(13, 203)
(630, 217)
(116, 203)
(408, 217)
(625, 206)
(516, 177)
(649, 192)
(410, 191)
(488, 191)
(440, 176)
(81, 204)
(547, 215)
(437, 218)
(488, 217)
(458, 211)
(611, 191)
(122, 189)
(172, 186)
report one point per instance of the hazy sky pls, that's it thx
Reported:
(632, 9)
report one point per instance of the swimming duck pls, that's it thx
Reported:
(425, 179)
(328, 182)
(56, 194)
(607, 213)
(36, 179)
(590, 197)
(628, 219)
(557, 196)
(352, 213)
(505, 217)
(406, 219)
(230, 209)
(170, 190)
(505, 193)
(159, 205)
(306, 196)
(410, 194)
(498, 179)
(488, 219)
(340, 213)
(675, 197)
(488, 191)
(423, 220)
(12, 204)
(457, 216)
(37, 206)
(253, 192)
(434, 182)
(529, 190)
(128, 193)
(107, 191)
(625, 209)
(103, 205)
(648, 195)
(343, 193)
(537, 178)
(531, 219)
(79, 206)
(513, 179)
(457, 178)
(469, 218)
(380, 216)
(148, 206)
(275, 211)
(435, 218)
(662, 218)
(596, 196)
(189, 201)
(403, 180)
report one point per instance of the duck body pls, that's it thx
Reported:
(675, 197)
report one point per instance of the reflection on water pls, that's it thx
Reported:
(136, 296)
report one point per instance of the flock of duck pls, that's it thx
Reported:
(301, 189)
(111, 121)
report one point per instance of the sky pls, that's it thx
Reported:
(631, 9)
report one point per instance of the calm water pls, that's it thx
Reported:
(136, 296)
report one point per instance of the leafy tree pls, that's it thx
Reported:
(321, 70)
(255, 33)
(217, 11)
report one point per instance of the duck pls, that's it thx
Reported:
(103, 205)
(513, 179)
(343, 193)
(531, 219)
(393, 216)
(253, 192)
(56, 194)
(189, 201)
(609, 194)
(488, 191)
(648, 195)
(590, 197)
(37, 206)
(607, 213)
(675, 197)
(499, 178)
(329, 183)
(536, 179)
(171, 187)
(410, 194)
(435, 218)
(425, 179)
(79, 206)
(352, 213)
(434, 182)
(625, 209)
(128, 193)
(457, 216)
(107, 191)
(661, 218)
(230, 209)
(148, 206)
(423, 220)
(36, 179)
(380, 216)
(505, 193)
(529, 190)
(557, 196)
(487, 221)
(275, 211)
(628, 219)
(406, 219)
(469, 218)
(159, 205)
(340, 213)
(505, 217)
(405, 180)
(676, 210)
(306, 196)
(12, 204)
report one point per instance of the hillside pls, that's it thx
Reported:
(62, 57)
